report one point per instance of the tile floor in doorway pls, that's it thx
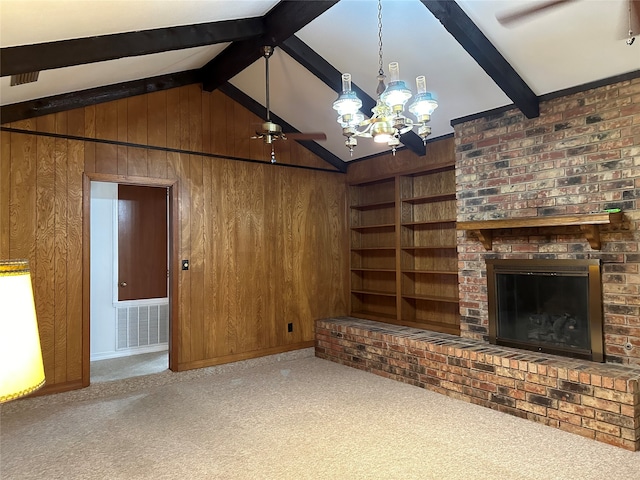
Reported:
(127, 367)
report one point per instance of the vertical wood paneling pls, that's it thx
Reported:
(173, 118)
(196, 269)
(242, 135)
(268, 334)
(263, 242)
(44, 276)
(22, 200)
(5, 192)
(90, 121)
(137, 133)
(209, 267)
(157, 134)
(61, 251)
(106, 121)
(123, 135)
(221, 259)
(219, 137)
(230, 300)
(205, 99)
(195, 118)
(75, 165)
(89, 116)
(106, 125)
(184, 282)
(184, 119)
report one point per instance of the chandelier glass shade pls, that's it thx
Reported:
(388, 120)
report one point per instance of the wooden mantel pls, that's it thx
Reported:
(589, 224)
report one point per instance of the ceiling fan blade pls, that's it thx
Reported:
(521, 14)
(306, 136)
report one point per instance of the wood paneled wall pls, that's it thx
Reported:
(403, 162)
(267, 245)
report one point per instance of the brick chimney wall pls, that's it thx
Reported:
(581, 155)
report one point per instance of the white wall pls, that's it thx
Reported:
(104, 198)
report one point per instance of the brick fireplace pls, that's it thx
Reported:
(545, 186)
(582, 155)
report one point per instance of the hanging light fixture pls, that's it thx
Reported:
(389, 120)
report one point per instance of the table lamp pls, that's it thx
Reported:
(21, 368)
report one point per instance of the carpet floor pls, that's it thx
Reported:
(285, 417)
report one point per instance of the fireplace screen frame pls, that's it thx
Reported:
(589, 268)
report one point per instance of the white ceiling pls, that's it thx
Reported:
(573, 44)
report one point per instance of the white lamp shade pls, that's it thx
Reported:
(21, 368)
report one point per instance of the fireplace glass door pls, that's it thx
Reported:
(551, 306)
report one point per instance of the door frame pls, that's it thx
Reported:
(173, 261)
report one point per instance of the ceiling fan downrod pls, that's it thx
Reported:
(631, 38)
(268, 51)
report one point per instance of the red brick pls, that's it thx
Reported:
(617, 441)
(601, 427)
(565, 417)
(531, 407)
(585, 432)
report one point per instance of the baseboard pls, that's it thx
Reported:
(243, 356)
(129, 352)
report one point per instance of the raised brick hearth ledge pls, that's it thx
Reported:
(595, 400)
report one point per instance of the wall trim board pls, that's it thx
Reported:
(57, 388)
(174, 261)
(161, 149)
(244, 356)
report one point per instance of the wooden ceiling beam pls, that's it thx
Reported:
(257, 109)
(68, 101)
(79, 51)
(327, 73)
(282, 21)
(469, 36)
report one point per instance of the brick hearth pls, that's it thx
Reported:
(595, 400)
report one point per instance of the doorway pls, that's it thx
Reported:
(136, 332)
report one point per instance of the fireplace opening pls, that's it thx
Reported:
(551, 306)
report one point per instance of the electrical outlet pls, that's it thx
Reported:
(290, 327)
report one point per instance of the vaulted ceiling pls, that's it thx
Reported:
(91, 51)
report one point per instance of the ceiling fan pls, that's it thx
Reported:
(539, 7)
(271, 131)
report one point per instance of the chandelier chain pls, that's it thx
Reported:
(381, 70)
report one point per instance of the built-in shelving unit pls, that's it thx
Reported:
(589, 225)
(403, 250)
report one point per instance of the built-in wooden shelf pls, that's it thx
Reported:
(360, 269)
(430, 198)
(380, 226)
(373, 206)
(433, 298)
(430, 272)
(373, 292)
(428, 222)
(589, 224)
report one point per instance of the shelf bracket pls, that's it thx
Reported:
(592, 234)
(486, 238)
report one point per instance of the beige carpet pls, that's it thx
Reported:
(285, 417)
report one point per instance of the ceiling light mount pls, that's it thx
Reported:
(389, 120)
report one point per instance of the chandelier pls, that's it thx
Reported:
(389, 120)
